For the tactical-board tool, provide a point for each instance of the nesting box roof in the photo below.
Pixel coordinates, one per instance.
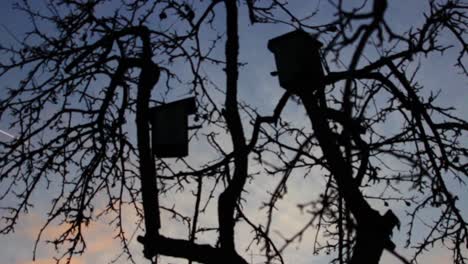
(188, 104)
(295, 36)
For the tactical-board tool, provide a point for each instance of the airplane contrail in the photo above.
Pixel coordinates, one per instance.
(6, 134)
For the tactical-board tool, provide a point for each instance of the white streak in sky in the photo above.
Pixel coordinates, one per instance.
(7, 134)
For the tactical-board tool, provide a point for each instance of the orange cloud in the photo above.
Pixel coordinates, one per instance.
(98, 236)
(102, 243)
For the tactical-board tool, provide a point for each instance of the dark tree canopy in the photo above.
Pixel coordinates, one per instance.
(78, 93)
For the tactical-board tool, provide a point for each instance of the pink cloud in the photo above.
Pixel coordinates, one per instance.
(50, 261)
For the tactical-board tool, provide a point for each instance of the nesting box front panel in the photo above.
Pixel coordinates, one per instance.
(290, 65)
(170, 136)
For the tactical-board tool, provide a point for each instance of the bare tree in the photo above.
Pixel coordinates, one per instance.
(81, 115)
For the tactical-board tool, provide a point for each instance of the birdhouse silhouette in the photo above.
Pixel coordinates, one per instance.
(297, 59)
(169, 124)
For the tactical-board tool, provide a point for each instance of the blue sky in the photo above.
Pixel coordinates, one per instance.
(259, 89)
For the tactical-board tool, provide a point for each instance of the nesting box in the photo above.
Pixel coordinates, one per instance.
(297, 59)
(169, 124)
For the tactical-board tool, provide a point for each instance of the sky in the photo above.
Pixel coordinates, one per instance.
(256, 87)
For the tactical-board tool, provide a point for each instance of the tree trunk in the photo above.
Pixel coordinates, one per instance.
(149, 76)
(373, 230)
